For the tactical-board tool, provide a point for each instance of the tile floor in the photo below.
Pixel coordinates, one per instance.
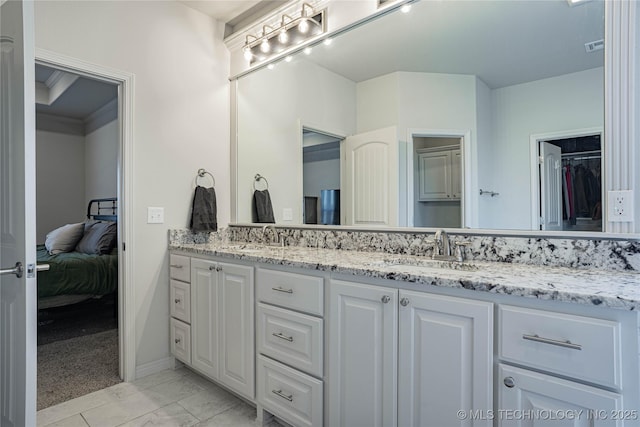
(169, 398)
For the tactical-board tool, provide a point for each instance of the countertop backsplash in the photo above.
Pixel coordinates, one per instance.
(618, 255)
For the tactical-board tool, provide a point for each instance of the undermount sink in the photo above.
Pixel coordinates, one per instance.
(417, 265)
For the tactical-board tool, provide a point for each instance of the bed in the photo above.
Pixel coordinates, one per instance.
(81, 270)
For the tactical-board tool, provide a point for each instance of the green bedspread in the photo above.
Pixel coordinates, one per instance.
(75, 273)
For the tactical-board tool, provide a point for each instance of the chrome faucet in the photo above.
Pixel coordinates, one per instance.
(442, 247)
(274, 237)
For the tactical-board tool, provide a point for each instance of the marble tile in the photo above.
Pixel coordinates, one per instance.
(159, 378)
(172, 391)
(210, 402)
(72, 407)
(74, 421)
(171, 415)
(119, 412)
(241, 415)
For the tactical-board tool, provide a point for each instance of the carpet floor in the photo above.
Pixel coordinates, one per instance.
(77, 351)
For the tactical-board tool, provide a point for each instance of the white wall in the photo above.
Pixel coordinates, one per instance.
(180, 123)
(272, 105)
(101, 160)
(60, 181)
(569, 102)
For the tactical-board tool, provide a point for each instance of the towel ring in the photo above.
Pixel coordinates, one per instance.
(202, 172)
(259, 177)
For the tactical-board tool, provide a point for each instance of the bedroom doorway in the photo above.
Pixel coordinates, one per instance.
(82, 138)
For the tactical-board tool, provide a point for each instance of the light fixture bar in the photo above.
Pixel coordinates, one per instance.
(290, 32)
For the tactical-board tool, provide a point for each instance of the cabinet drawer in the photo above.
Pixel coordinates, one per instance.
(291, 338)
(181, 341)
(180, 267)
(573, 346)
(180, 300)
(289, 394)
(290, 290)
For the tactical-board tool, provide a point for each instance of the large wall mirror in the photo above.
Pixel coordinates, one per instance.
(476, 114)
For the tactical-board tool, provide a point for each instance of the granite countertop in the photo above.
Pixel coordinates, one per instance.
(596, 287)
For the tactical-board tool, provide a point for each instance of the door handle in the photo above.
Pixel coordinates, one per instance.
(18, 270)
(43, 267)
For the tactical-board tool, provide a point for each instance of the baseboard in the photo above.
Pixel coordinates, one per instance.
(154, 367)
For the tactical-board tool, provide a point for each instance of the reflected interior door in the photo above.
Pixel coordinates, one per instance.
(550, 186)
(371, 172)
(17, 216)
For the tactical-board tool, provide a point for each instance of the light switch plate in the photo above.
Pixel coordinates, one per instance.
(287, 214)
(620, 206)
(155, 215)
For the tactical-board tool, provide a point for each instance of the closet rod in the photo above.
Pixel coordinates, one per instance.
(583, 158)
(582, 153)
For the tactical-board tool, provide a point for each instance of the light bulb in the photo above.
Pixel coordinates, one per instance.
(271, 66)
(405, 8)
(307, 50)
(303, 26)
(327, 42)
(247, 53)
(264, 46)
(288, 58)
(283, 37)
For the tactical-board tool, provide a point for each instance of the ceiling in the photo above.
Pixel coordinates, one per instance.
(502, 42)
(82, 98)
(222, 10)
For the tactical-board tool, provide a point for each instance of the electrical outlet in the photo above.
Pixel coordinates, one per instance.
(155, 215)
(620, 206)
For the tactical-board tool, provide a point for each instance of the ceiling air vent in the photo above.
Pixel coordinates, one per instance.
(593, 46)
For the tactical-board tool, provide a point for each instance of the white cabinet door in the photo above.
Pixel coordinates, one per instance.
(435, 175)
(363, 325)
(236, 328)
(205, 294)
(456, 174)
(551, 186)
(371, 173)
(445, 360)
(528, 398)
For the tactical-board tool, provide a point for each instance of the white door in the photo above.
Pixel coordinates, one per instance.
(205, 294)
(445, 361)
(529, 393)
(237, 344)
(371, 175)
(17, 216)
(363, 331)
(550, 186)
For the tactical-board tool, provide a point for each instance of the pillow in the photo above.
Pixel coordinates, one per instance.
(64, 239)
(99, 238)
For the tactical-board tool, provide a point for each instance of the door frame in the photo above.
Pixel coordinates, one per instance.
(534, 142)
(125, 82)
(465, 169)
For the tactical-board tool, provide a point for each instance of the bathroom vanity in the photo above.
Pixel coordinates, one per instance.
(352, 337)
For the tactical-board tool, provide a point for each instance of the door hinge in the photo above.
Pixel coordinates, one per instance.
(541, 160)
(541, 220)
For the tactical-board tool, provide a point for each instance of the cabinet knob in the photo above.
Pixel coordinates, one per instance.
(218, 268)
(177, 300)
(385, 299)
(213, 267)
(509, 382)
(177, 340)
(404, 302)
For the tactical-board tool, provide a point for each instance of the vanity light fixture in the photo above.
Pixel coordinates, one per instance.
(576, 2)
(290, 31)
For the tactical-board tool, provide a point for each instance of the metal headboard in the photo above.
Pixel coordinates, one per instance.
(103, 209)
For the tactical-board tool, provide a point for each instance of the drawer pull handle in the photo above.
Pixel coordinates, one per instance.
(566, 344)
(177, 300)
(288, 397)
(282, 336)
(177, 266)
(281, 289)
